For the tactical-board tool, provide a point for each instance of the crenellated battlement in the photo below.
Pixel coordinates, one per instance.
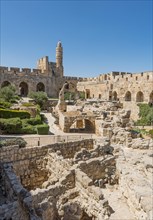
(72, 78)
(123, 76)
(16, 70)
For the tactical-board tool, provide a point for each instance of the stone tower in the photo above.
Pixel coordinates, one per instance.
(59, 58)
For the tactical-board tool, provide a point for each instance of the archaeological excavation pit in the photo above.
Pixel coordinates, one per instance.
(102, 171)
(33, 173)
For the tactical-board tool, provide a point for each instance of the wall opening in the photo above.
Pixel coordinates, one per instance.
(23, 89)
(87, 94)
(139, 97)
(114, 96)
(82, 126)
(105, 77)
(151, 97)
(5, 83)
(40, 87)
(128, 96)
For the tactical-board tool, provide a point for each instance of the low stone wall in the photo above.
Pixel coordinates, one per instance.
(17, 207)
(100, 170)
(14, 153)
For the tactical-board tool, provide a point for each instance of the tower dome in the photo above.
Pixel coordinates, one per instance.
(59, 44)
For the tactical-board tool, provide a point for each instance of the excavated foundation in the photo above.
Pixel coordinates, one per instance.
(80, 180)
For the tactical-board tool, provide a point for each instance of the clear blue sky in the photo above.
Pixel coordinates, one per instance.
(97, 36)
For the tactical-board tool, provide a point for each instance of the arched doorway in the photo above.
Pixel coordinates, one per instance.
(114, 96)
(40, 87)
(139, 97)
(5, 83)
(23, 89)
(82, 126)
(151, 97)
(128, 96)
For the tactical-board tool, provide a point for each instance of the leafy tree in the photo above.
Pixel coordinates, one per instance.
(40, 98)
(7, 94)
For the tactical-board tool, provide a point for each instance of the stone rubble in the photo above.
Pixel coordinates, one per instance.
(109, 177)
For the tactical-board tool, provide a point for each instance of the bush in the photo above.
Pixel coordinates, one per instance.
(42, 129)
(15, 141)
(69, 96)
(33, 121)
(82, 95)
(151, 133)
(28, 104)
(11, 125)
(28, 129)
(14, 113)
(5, 105)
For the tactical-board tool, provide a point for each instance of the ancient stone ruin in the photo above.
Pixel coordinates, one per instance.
(106, 177)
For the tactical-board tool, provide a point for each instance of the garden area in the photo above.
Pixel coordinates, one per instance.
(25, 118)
(144, 125)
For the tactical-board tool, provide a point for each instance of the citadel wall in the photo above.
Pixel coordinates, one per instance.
(128, 88)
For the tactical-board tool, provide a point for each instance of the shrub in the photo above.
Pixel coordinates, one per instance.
(28, 104)
(28, 129)
(33, 121)
(11, 125)
(5, 105)
(14, 141)
(146, 115)
(151, 133)
(42, 129)
(14, 113)
(43, 118)
(82, 95)
(69, 95)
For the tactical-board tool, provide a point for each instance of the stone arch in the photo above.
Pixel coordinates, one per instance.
(151, 97)
(114, 96)
(82, 126)
(23, 89)
(40, 87)
(128, 96)
(5, 83)
(139, 97)
(66, 85)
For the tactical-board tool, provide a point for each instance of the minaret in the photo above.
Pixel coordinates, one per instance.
(59, 55)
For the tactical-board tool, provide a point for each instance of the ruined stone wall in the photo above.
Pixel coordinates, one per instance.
(17, 206)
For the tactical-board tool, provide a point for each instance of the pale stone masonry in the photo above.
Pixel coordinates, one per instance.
(129, 89)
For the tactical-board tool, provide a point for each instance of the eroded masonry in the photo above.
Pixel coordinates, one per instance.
(106, 177)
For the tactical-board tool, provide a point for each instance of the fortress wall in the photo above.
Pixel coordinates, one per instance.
(102, 86)
(32, 77)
